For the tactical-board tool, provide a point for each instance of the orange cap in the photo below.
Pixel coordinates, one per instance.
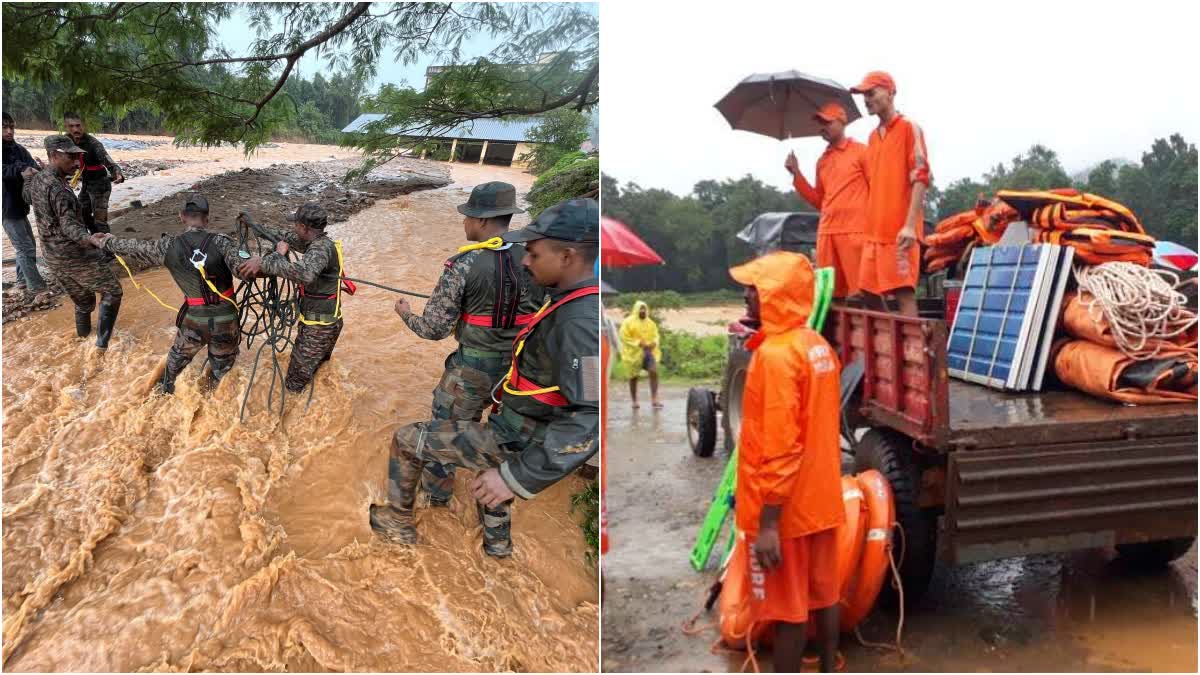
(832, 111)
(875, 78)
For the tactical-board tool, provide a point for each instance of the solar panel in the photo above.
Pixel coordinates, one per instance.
(1006, 315)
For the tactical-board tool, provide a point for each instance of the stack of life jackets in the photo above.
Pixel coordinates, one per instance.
(1099, 229)
(954, 237)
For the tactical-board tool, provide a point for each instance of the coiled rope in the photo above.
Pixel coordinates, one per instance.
(1143, 307)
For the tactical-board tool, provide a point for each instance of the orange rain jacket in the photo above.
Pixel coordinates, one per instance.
(788, 453)
(841, 191)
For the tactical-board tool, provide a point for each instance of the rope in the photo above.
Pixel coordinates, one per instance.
(141, 287)
(1143, 307)
(268, 311)
(899, 586)
(386, 288)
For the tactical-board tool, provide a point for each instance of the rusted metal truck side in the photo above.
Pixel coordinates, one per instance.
(981, 474)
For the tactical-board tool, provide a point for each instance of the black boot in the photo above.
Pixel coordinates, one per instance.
(106, 322)
(83, 323)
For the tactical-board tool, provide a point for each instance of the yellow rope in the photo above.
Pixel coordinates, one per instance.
(495, 243)
(214, 288)
(337, 307)
(516, 354)
(139, 286)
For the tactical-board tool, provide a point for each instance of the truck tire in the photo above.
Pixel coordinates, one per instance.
(701, 421)
(889, 453)
(732, 387)
(1154, 555)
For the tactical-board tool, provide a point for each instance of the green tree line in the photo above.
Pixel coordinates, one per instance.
(321, 107)
(695, 233)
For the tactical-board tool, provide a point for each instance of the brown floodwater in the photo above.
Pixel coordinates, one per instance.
(160, 533)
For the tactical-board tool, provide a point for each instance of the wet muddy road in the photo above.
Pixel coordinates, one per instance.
(1078, 612)
(158, 533)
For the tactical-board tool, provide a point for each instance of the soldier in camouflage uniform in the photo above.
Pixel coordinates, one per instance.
(199, 261)
(70, 251)
(318, 273)
(484, 296)
(100, 173)
(548, 423)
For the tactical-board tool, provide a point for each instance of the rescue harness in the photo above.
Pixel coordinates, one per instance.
(508, 289)
(516, 385)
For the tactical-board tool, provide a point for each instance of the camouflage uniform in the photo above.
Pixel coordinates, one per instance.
(82, 271)
(214, 323)
(318, 273)
(97, 183)
(533, 443)
(479, 297)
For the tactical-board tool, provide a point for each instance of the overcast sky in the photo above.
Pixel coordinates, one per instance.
(1089, 80)
(237, 35)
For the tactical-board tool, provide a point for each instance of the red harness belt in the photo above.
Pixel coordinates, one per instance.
(486, 321)
(194, 302)
(521, 384)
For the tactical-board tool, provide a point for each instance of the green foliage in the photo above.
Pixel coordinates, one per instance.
(694, 234)
(586, 503)
(568, 159)
(563, 182)
(560, 133)
(1161, 190)
(685, 356)
(657, 300)
(114, 57)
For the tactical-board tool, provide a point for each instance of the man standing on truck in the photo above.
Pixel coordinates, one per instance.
(898, 172)
(100, 173)
(788, 494)
(840, 195)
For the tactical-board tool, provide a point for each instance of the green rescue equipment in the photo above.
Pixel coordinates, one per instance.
(722, 503)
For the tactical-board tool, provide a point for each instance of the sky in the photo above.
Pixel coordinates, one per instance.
(1091, 81)
(237, 35)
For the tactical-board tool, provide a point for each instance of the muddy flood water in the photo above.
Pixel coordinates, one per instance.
(159, 533)
(1058, 613)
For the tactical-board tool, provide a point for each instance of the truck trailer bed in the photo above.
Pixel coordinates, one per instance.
(981, 417)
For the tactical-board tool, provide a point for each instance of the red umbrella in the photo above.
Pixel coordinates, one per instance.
(620, 247)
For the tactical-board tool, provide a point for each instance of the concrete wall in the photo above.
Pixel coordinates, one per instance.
(522, 148)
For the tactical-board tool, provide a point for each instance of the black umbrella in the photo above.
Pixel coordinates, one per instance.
(781, 105)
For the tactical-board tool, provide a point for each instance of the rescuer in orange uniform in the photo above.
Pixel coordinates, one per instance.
(898, 171)
(840, 195)
(789, 494)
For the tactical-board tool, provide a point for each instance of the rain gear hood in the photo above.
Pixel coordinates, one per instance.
(788, 452)
(634, 331)
(785, 283)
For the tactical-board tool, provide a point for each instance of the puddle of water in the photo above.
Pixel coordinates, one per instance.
(158, 533)
(1076, 612)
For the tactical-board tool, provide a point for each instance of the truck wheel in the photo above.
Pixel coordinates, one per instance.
(701, 421)
(732, 387)
(889, 453)
(1154, 555)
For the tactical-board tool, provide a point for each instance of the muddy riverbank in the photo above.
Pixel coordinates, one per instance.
(1077, 612)
(159, 533)
(149, 203)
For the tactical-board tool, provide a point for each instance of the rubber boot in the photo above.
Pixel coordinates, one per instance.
(83, 323)
(106, 323)
(395, 525)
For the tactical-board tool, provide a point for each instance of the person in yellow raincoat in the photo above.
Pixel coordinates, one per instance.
(640, 350)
